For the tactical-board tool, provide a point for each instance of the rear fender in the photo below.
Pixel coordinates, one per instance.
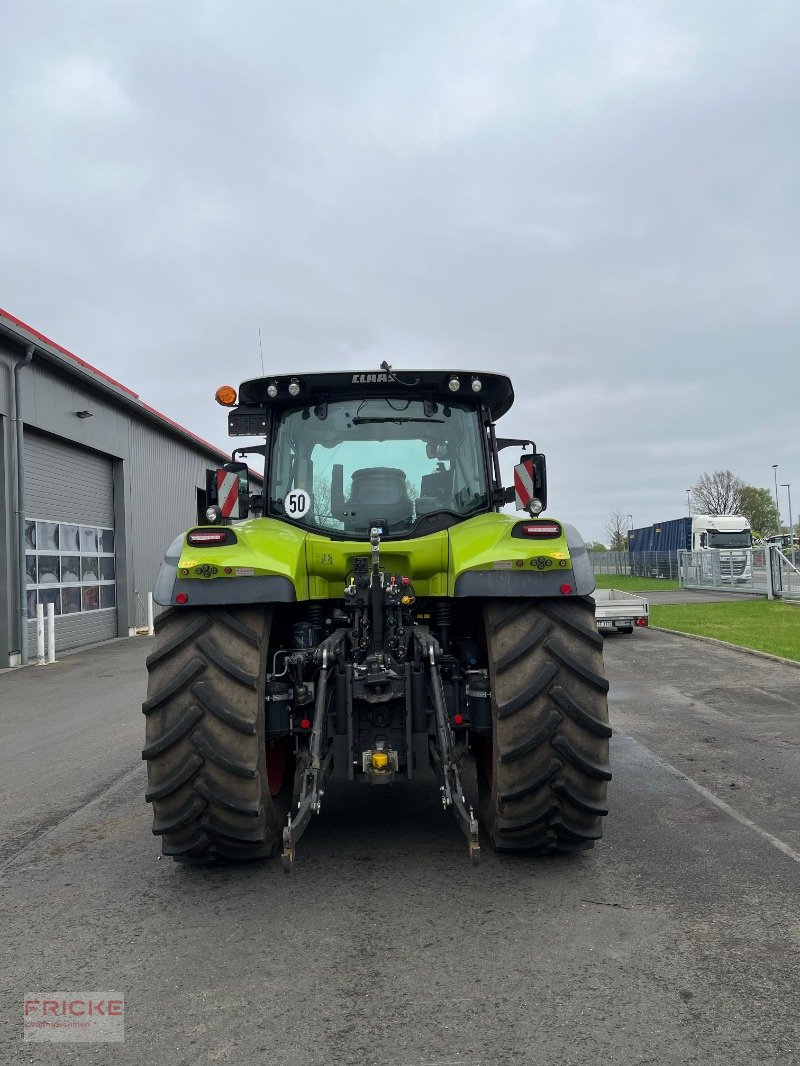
(488, 561)
(266, 564)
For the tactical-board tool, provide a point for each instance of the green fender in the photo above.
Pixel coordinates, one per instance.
(274, 561)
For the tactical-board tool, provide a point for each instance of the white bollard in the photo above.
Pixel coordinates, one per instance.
(40, 634)
(150, 622)
(51, 633)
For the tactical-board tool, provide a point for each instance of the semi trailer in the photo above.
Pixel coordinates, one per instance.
(652, 548)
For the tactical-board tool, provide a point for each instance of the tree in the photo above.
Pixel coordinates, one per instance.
(718, 493)
(758, 507)
(595, 546)
(322, 500)
(617, 531)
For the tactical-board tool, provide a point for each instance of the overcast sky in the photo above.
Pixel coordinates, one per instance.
(600, 199)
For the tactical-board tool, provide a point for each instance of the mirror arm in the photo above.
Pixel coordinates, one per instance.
(503, 496)
(511, 442)
(254, 449)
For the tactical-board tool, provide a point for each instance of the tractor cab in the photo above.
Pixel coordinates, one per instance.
(411, 453)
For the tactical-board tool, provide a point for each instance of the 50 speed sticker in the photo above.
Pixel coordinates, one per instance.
(296, 503)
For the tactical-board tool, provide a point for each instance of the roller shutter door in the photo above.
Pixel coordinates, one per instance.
(70, 543)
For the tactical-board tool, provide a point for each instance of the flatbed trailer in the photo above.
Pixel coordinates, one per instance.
(620, 612)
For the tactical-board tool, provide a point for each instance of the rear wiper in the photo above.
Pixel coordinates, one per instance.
(395, 421)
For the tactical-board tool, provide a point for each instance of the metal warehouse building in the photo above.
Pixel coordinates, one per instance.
(107, 483)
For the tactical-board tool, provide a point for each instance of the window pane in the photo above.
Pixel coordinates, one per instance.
(70, 541)
(47, 536)
(88, 540)
(31, 603)
(30, 535)
(48, 570)
(108, 596)
(70, 569)
(89, 569)
(50, 596)
(373, 458)
(107, 568)
(30, 569)
(90, 595)
(107, 540)
(71, 600)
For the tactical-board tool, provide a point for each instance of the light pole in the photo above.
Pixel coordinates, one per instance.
(791, 528)
(688, 504)
(777, 505)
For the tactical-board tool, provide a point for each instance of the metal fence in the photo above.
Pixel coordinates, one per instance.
(786, 573)
(639, 564)
(764, 569)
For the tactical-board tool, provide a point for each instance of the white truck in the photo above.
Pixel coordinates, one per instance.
(731, 534)
(620, 612)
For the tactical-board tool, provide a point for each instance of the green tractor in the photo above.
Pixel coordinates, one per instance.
(372, 613)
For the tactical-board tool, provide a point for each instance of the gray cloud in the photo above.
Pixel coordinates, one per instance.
(600, 199)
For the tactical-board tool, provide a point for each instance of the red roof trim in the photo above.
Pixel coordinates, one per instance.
(68, 353)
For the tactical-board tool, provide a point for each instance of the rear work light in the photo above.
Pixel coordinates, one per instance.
(544, 530)
(209, 538)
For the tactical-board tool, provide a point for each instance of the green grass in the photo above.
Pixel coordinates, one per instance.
(766, 625)
(626, 583)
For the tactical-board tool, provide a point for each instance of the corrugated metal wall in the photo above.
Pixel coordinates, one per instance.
(164, 478)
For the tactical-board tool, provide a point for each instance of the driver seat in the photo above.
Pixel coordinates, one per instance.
(377, 492)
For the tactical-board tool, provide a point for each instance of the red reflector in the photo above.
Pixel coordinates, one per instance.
(541, 529)
(641, 622)
(566, 589)
(305, 723)
(458, 719)
(181, 598)
(405, 581)
(217, 536)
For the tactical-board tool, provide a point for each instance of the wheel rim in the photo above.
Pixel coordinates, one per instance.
(277, 759)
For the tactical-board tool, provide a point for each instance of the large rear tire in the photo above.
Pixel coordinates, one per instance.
(543, 778)
(215, 788)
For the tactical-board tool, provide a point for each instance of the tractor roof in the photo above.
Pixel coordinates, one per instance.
(495, 390)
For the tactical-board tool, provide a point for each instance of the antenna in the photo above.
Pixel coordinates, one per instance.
(261, 351)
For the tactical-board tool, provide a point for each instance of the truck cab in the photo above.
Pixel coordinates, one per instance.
(731, 535)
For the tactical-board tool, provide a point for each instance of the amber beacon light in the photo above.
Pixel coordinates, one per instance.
(225, 395)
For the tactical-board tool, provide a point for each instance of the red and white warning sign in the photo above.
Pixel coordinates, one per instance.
(227, 492)
(523, 484)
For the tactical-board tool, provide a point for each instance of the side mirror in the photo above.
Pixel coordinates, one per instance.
(530, 483)
(229, 490)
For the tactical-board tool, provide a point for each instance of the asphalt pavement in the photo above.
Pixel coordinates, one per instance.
(676, 941)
